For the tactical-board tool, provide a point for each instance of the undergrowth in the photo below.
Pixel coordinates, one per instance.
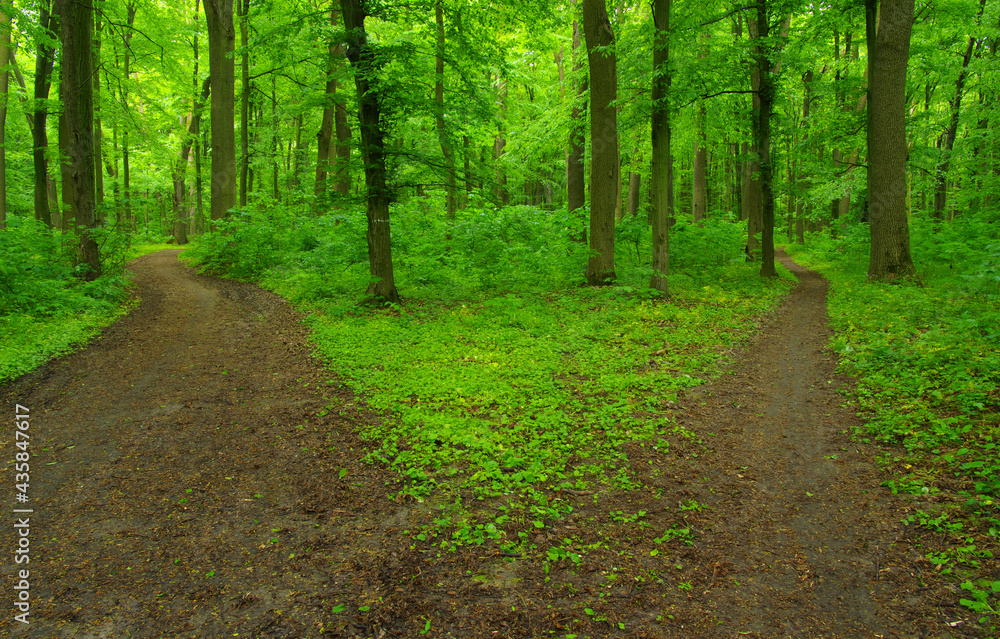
(926, 354)
(46, 308)
(501, 377)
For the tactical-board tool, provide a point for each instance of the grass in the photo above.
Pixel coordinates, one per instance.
(500, 377)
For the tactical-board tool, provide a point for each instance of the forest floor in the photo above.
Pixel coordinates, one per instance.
(197, 473)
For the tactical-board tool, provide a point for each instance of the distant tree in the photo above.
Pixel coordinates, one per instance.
(44, 58)
(605, 178)
(887, 149)
(5, 59)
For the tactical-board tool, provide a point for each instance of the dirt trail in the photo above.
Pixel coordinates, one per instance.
(198, 474)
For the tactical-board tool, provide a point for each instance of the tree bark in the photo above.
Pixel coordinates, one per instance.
(446, 151)
(40, 140)
(576, 187)
(77, 23)
(362, 55)
(222, 70)
(98, 133)
(662, 180)
(887, 153)
(699, 179)
(762, 136)
(605, 189)
(180, 209)
(5, 59)
(244, 9)
(324, 139)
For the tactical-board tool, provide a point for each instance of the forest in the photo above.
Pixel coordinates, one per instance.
(526, 232)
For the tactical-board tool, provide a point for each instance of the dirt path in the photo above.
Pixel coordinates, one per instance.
(198, 475)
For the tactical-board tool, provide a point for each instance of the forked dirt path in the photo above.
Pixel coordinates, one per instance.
(198, 474)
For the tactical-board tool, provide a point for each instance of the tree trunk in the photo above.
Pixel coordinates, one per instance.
(502, 194)
(5, 59)
(605, 182)
(446, 151)
(243, 7)
(661, 186)
(362, 55)
(634, 193)
(77, 23)
(576, 187)
(222, 70)
(887, 153)
(948, 143)
(699, 198)
(762, 136)
(40, 140)
(98, 134)
(180, 209)
(126, 167)
(326, 128)
(343, 183)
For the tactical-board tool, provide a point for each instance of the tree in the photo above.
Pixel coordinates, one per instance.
(576, 186)
(222, 70)
(663, 172)
(243, 7)
(44, 58)
(887, 149)
(77, 23)
(364, 60)
(5, 59)
(605, 189)
(763, 53)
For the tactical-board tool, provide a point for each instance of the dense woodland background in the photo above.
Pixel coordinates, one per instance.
(518, 150)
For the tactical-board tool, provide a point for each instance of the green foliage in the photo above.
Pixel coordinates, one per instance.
(501, 375)
(928, 366)
(45, 308)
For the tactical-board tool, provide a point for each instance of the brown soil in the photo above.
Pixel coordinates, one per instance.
(189, 482)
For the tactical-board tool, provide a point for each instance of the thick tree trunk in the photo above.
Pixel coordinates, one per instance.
(77, 23)
(661, 184)
(222, 69)
(362, 55)
(762, 136)
(243, 6)
(576, 186)
(887, 153)
(40, 140)
(605, 182)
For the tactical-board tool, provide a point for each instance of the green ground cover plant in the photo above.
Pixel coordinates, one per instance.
(926, 354)
(46, 310)
(500, 376)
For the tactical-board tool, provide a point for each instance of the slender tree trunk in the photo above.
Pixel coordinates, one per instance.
(948, 142)
(275, 146)
(126, 167)
(662, 180)
(243, 6)
(5, 59)
(446, 151)
(890, 236)
(362, 55)
(502, 194)
(180, 168)
(605, 182)
(222, 69)
(77, 22)
(40, 141)
(753, 197)
(634, 193)
(343, 183)
(98, 134)
(699, 198)
(576, 186)
(325, 137)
